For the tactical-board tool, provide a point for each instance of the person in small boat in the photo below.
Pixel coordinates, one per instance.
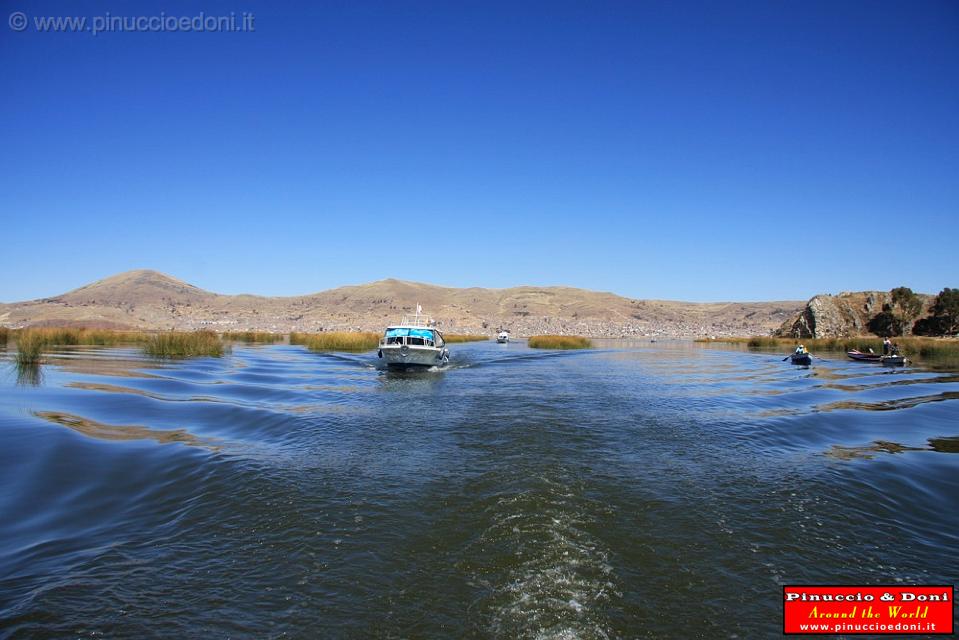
(801, 350)
(887, 347)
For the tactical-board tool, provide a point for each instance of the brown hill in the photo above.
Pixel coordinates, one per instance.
(150, 300)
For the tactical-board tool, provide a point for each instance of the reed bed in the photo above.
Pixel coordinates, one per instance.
(927, 347)
(30, 345)
(354, 341)
(62, 336)
(32, 342)
(252, 336)
(464, 337)
(559, 342)
(4, 335)
(183, 344)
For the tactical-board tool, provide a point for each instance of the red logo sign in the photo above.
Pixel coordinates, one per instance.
(848, 610)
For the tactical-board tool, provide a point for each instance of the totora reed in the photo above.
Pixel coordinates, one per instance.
(559, 342)
(354, 341)
(175, 344)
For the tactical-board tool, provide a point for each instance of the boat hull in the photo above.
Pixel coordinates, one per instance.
(409, 356)
(801, 359)
(890, 361)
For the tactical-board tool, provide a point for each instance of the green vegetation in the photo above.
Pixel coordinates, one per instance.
(896, 318)
(175, 344)
(4, 337)
(354, 341)
(945, 316)
(464, 337)
(559, 342)
(906, 307)
(252, 336)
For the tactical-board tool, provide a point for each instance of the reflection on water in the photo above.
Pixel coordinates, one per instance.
(945, 445)
(101, 431)
(888, 405)
(29, 374)
(633, 491)
(942, 445)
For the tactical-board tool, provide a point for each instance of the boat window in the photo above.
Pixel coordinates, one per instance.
(393, 332)
(394, 340)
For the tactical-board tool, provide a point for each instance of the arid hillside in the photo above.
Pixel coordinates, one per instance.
(146, 299)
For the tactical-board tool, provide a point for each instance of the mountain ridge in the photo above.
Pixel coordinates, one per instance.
(148, 299)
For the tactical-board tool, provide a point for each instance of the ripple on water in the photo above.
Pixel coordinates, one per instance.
(639, 492)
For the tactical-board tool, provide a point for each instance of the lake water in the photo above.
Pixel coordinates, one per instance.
(633, 491)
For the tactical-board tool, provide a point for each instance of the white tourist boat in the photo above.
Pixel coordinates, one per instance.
(503, 337)
(415, 342)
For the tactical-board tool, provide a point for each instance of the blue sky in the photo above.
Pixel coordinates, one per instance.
(679, 150)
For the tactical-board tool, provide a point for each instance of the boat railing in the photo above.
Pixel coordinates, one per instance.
(418, 320)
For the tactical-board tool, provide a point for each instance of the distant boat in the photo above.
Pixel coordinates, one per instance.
(503, 337)
(801, 358)
(414, 342)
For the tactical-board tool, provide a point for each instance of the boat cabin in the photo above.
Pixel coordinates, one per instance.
(413, 336)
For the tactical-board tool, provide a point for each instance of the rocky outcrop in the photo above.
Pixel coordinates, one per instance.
(840, 316)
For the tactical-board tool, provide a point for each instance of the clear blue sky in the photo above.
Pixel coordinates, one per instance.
(680, 150)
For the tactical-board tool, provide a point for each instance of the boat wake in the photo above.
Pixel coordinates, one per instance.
(549, 577)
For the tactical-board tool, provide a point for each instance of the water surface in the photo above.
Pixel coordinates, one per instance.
(634, 491)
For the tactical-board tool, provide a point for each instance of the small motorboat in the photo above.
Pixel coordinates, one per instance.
(801, 358)
(894, 360)
(502, 337)
(415, 342)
